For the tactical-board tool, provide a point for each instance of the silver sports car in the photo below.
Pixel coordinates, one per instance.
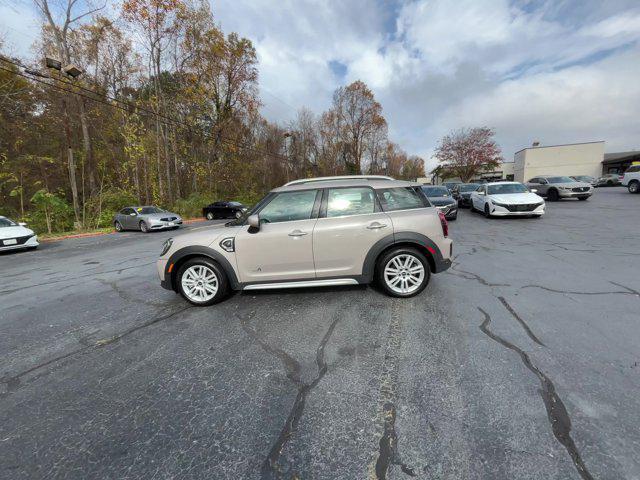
(145, 219)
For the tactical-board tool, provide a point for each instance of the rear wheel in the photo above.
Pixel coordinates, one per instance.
(634, 187)
(210, 216)
(118, 226)
(403, 272)
(143, 227)
(553, 195)
(238, 214)
(202, 282)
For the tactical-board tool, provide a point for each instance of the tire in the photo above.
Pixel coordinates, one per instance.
(411, 283)
(201, 269)
(453, 218)
(609, 183)
(553, 195)
(634, 187)
(487, 213)
(118, 226)
(210, 216)
(238, 214)
(143, 227)
(582, 199)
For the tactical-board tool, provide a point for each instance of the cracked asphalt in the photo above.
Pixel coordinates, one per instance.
(521, 362)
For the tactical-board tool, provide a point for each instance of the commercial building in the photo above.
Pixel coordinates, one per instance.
(619, 162)
(571, 159)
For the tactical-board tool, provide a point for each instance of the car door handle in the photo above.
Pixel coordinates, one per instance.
(376, 226)
(297, 233)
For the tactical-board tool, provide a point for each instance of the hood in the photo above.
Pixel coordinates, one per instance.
(158, 216)
(204, 236)
(516, 198)
(13, 232)
(439, 201)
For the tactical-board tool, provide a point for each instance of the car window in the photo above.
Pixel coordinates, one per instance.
(289, 206)
(534, 180)
(5, 222)
(350, 201)
(402, 198)
(635, 168)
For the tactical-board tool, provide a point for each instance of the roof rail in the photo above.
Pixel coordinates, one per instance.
(342, 177)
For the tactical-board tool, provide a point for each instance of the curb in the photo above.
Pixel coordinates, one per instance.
(100, 234)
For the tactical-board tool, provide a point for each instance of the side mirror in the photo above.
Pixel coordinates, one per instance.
(254, 221)
(22, 224)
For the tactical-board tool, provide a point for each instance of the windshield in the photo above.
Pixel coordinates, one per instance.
(150, 210)
(503, 188)
(435, 191)
(583, 178)
(469, 187)
(5, 222)
(235, 204)
(560, 180)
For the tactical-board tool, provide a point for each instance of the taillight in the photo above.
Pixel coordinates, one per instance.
(444, 223)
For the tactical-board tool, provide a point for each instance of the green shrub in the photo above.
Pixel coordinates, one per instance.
(191, 207)
(102, 209)
(52, 213)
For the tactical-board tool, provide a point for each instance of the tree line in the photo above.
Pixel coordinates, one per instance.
(162, 108)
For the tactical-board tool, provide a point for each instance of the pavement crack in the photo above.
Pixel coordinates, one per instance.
(627, 291)
(270, 467)
(474, 276)
(388, 452)
(557, 413)
(524, 325)
(12, 382)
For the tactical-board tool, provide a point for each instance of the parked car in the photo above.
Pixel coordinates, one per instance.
(16, 236)
(608, 180)
(223, 210)
(586, 179)
(557, 187)
(440, 197)
(450, 185)
(462, 193)
(631, 179)
(506, 199)
(312, 233)
(145, 219)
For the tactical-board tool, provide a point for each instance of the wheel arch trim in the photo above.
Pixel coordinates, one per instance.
(182, 255)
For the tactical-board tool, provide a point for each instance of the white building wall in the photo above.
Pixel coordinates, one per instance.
(576, 159)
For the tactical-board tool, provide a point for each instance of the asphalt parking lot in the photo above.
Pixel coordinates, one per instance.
(521, 362)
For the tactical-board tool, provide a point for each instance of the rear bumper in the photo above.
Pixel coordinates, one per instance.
(442, 255)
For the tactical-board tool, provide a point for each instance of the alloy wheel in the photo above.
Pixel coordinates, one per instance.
(404, 273)
(209, 216)
(199, 283)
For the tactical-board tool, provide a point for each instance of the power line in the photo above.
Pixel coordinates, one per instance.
(35, 74)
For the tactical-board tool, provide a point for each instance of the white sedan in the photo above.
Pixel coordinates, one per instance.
(503, 199)
(14, 235)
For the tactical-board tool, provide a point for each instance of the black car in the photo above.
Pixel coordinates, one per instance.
(462, 193)
(440, 198)
(450, 185)
(223, 210)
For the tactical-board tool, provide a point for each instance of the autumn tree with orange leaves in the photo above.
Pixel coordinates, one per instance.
(466, 152)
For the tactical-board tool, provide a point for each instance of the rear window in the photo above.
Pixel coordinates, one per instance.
(402, 198)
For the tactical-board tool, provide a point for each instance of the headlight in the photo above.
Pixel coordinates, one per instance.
(166, 246)
(500, 205)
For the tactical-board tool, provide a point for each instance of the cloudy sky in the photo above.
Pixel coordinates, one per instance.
(554, 71)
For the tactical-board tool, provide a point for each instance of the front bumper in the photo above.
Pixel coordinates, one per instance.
(572, 194)
(449, 211)
(30, 242)
(161, 266)
(165, 225)
(500, 211)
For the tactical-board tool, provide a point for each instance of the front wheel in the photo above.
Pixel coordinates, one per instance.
(210, 216)
(118, 226)
(238, 214)
(553, 195)
(634, 187)
(403, 272)
(143, 227)
(202, 282)
(487, 213)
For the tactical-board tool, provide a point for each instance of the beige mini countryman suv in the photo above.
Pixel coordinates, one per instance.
(311, 233)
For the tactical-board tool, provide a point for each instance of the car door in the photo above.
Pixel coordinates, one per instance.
(350, 223)
(477, 198)
(282, 249)
(542, 187)
(128, 218)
